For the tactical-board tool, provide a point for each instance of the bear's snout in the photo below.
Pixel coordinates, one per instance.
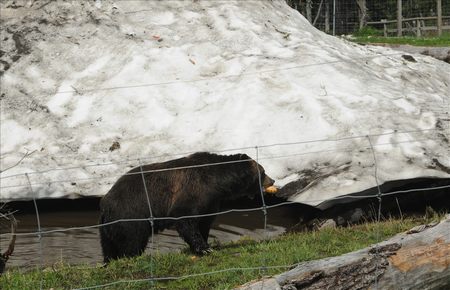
(268, 181)
(268, 187)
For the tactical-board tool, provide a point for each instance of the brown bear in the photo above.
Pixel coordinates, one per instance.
(193, 185)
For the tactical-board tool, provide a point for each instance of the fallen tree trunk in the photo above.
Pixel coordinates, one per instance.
(417, 259)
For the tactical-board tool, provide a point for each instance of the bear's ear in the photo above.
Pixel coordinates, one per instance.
(244, 157)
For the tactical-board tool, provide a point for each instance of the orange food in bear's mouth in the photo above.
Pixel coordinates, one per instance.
(271, 189)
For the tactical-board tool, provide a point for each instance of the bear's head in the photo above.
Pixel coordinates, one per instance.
(257, 179)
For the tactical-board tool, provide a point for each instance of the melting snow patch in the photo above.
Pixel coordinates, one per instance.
(165, 78)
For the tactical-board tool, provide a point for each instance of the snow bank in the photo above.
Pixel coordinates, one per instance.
(165, 78)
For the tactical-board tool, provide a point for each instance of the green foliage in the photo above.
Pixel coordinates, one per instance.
(230, 265)
(368, 31)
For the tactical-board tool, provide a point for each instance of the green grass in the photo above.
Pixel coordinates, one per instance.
(371, 35)
(368, 32)
(285, 250)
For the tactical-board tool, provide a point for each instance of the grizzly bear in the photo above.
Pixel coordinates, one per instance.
(193, 185)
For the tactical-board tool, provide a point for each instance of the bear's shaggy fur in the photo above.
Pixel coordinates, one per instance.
(175, 188)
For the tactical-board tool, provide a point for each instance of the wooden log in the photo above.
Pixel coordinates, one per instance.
(417, 259)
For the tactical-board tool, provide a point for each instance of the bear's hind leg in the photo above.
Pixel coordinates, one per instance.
(135, 238)
(109, 249)
(124, 239)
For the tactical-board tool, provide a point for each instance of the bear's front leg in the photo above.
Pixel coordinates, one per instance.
(205, 226)
(189, 231)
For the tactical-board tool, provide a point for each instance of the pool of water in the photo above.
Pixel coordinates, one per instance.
(82, 246)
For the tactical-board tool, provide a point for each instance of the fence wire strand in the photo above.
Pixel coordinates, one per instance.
(344, 149)
(237, 149)
(183, 277)
(227, 211)
(233, 76)
(263, 208)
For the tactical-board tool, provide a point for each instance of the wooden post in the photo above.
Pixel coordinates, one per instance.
(385, 30)
(439, 17)
(399, 18)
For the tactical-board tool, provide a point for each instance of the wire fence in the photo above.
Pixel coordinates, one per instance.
(39, 233)
(27, 184)
(263, 207)
(417, 17)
